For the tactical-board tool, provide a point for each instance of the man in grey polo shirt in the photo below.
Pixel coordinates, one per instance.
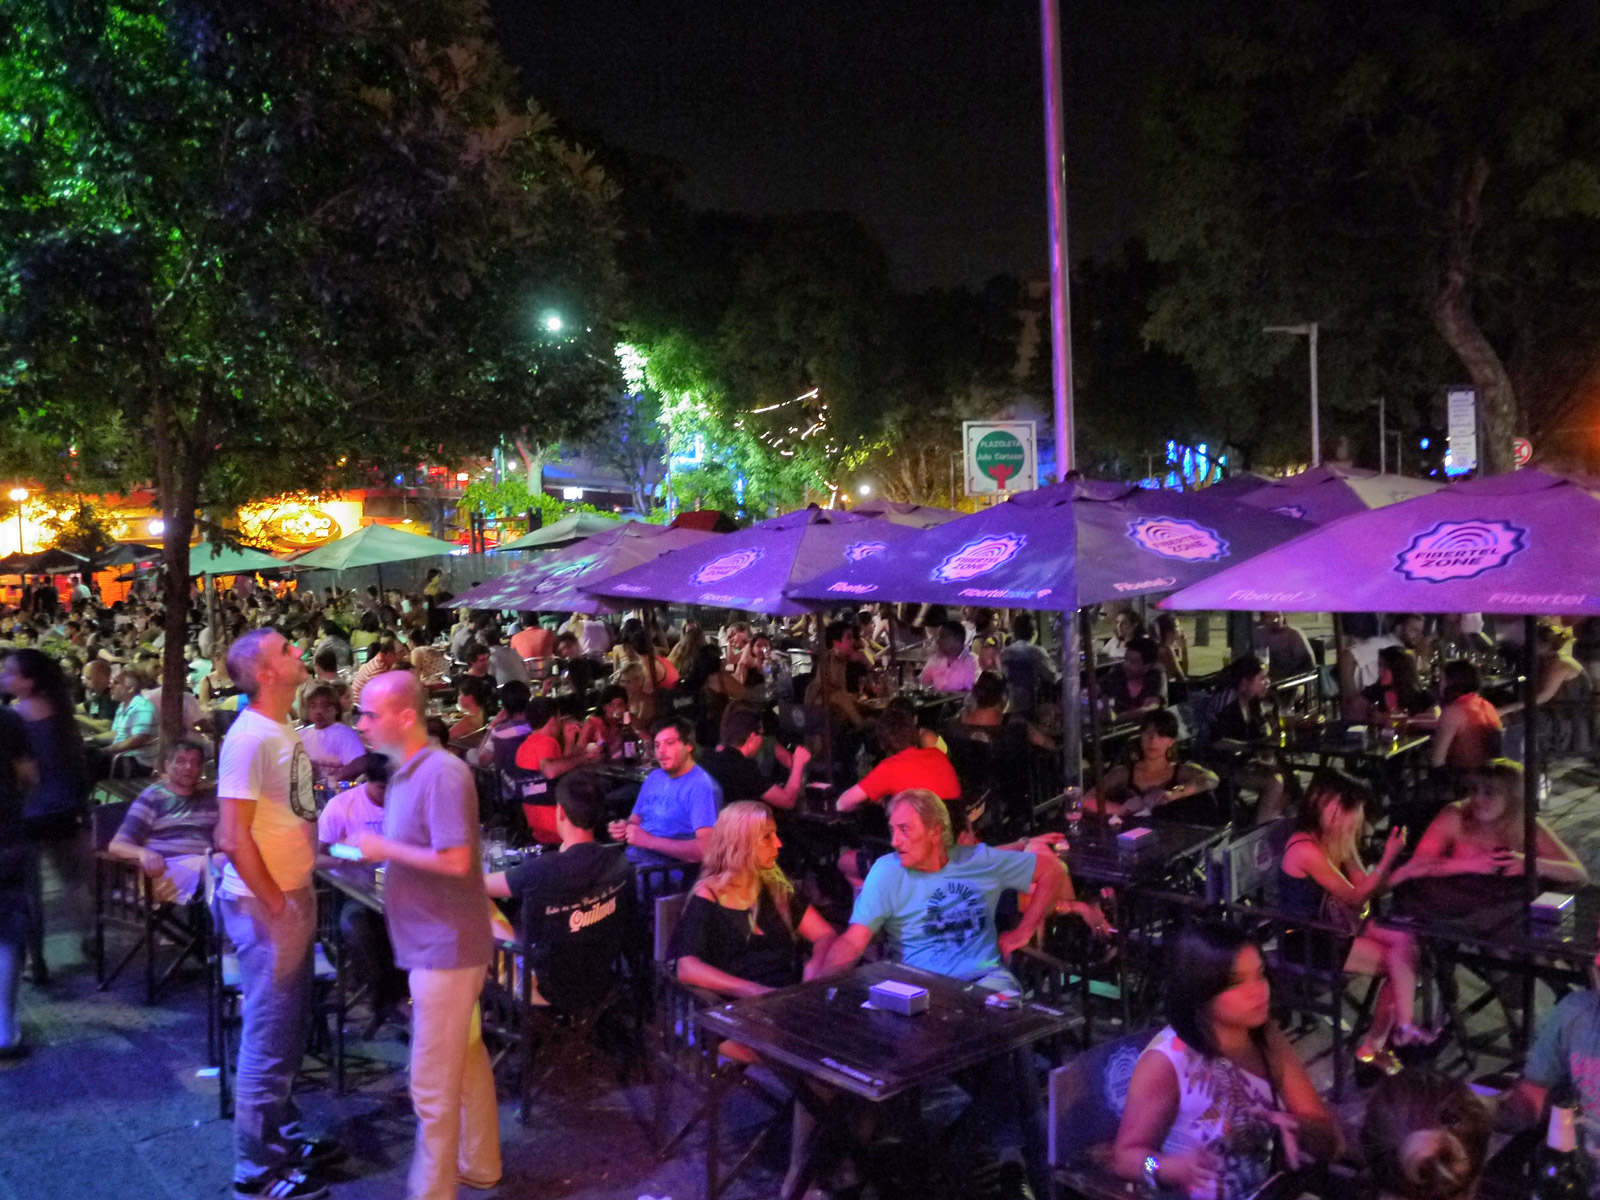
(438, 916)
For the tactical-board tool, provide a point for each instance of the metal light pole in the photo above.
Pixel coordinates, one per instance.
(1383, 442)
(1056, 181)
(1308, 330)
(1061, 357)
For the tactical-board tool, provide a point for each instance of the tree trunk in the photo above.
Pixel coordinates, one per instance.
(1451, 313)
(533, 463)
(180, 461)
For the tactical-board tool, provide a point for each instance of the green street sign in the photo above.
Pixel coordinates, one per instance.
(1000, 455)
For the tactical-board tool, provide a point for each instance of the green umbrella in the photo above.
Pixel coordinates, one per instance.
(372, 546)
(207, 559)
(564, 532)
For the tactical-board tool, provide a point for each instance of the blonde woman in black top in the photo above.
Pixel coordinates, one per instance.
(741, 930)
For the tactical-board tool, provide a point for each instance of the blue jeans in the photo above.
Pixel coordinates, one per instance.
(275, 979)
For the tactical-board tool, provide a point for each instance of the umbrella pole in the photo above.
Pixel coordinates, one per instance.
(1096, 753)
(1338, 665)
(1071, 702)
(1530, 792)
(819, 662)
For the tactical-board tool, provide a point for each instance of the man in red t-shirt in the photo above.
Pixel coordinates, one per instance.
(908, 765)
(533, 640)
(542, 750)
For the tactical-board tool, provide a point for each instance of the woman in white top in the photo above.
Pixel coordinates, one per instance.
(1220, 1084)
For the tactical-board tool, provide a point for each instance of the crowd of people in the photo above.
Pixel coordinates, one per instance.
(358, 726)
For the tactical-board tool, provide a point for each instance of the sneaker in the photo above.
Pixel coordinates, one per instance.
(307, 1153)
(280, 1185)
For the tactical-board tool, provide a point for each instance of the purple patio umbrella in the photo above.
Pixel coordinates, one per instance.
(1238, 485)
(1062, 547)
(1521, 543)
(755, 568)
(918, 516)
(552, 584)
(1327, 493)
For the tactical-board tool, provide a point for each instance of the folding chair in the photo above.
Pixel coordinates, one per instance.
(1086, 1099)
(125, 899)
(225, 994)
(686, 1056)
(1305, 957)
(548, 994)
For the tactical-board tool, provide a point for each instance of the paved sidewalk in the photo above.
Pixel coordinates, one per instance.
(110, 1104)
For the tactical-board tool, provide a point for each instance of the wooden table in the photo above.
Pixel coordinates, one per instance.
(820, 1031)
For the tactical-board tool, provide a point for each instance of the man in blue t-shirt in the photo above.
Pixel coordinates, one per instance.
(934, 901)
(677, 806)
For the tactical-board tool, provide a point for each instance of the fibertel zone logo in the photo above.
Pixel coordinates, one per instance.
(979, 557)
(726, 565)
(1173, 537)
(1460, 550)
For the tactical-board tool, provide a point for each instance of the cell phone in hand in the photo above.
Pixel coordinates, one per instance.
(340, 850)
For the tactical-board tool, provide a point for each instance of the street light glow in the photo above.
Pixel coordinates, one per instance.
(864, 490)
(18, 495)
(157, 527)
(553, 322)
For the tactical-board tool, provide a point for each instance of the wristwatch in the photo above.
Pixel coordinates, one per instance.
(1152, 1167)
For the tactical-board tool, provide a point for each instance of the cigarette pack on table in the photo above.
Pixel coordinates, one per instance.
(1138, 840)
(1550, 907)
(904, 998)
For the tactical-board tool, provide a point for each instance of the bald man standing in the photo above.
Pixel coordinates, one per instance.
(438, 916)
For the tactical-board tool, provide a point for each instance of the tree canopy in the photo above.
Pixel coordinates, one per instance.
(1423, 180)
(247, 248)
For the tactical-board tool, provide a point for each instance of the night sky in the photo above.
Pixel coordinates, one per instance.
(922, 117)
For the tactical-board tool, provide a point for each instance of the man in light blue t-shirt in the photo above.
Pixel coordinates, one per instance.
(934, 901)
(1565, 1058)
(677, 806)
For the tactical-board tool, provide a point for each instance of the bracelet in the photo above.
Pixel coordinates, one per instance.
(1152, 1167)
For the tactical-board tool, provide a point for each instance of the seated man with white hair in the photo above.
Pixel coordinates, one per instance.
(934, 901)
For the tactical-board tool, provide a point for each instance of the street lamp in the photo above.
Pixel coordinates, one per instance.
(552, 322)
(18, 495)
(1307, 330)
(864, 490)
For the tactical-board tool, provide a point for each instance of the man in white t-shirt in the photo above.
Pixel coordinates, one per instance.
(336, 750)
(267, 828)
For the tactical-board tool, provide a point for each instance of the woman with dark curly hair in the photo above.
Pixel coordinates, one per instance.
(1425, 1137)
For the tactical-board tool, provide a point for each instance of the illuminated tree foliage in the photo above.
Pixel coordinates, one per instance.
(1423, 179)
(242, 242)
